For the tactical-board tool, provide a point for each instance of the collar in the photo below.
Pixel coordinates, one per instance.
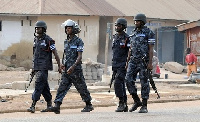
(42, 37)
(142, 29)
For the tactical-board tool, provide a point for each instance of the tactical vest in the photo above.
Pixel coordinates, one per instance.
(140, 41)
(71, 49)
(120, 47)
(42, 55)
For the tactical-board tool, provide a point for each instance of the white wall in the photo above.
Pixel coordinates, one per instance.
(89, 32)
(11, 33)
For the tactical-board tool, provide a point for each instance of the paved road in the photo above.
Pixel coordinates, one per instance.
(166, 112)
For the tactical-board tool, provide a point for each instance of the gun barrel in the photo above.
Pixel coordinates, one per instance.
(31, 78)
(112, 79)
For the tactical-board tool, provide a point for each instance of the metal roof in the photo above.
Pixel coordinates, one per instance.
(58, 7)
(19, 7)
(102, 8)
(68, 7)
(162, 9)
(188, 25)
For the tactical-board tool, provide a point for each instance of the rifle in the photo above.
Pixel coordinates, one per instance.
(152, 82)
(32, 74)
(112, 79)
(149, 75)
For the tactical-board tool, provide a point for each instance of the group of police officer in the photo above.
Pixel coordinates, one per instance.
(70, 67)
(131, 53)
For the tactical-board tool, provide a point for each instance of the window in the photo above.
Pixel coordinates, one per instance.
(30, 22)
(22, 23)
(0, 25)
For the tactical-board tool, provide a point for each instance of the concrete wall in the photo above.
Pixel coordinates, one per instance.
(89, 32)
(14, 32)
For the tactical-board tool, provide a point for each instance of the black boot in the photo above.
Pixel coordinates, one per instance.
(122, 107)
(137, 103)
(48, 109)
(143, 109)
(88, 107)
(32, 108)
(56, 108)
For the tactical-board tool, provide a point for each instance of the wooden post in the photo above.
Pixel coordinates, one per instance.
(106, 78)
(108, 34)
(106, 53)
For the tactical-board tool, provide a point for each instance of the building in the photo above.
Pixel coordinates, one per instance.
(192, 36)
(96, 18)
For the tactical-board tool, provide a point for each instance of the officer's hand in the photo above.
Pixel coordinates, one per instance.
(70, 70)
(59, 69)
(32, 73)
(150, 66)
(62, 67)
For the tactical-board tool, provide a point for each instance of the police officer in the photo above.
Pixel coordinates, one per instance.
(120, 49)
(42, 62)
(139, 60)
(73, 48)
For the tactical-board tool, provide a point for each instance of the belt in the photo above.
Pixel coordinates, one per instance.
(136, 59)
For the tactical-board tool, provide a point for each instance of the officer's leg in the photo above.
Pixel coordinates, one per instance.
(46, 92)
(145, 89)
(130, 83)
(64, 87)
(39, 86)
(120, 90)
(81, 87)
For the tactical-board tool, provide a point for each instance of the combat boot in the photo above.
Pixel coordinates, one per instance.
(56, 108)
(143, 109)
(48, 109)
(122, 107)
(32, 108)
(137, 103)
(88, 107)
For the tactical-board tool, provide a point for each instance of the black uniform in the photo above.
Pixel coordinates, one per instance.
(42, 62)
(120, 49)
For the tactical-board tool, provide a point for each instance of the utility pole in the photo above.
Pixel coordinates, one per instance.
(105, 77)
(108, 38)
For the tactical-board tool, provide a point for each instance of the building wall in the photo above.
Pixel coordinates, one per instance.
(16, 29)
(193, 35)
(89, 32)
(14, 32)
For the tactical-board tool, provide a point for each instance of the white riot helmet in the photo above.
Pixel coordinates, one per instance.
(73, 24)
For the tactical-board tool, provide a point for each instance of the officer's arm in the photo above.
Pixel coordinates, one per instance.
(150, 56)
(56, 57)
(128, 58)
(78, 60)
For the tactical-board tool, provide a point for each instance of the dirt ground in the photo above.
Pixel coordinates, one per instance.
(168, 92)
(10, 76)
